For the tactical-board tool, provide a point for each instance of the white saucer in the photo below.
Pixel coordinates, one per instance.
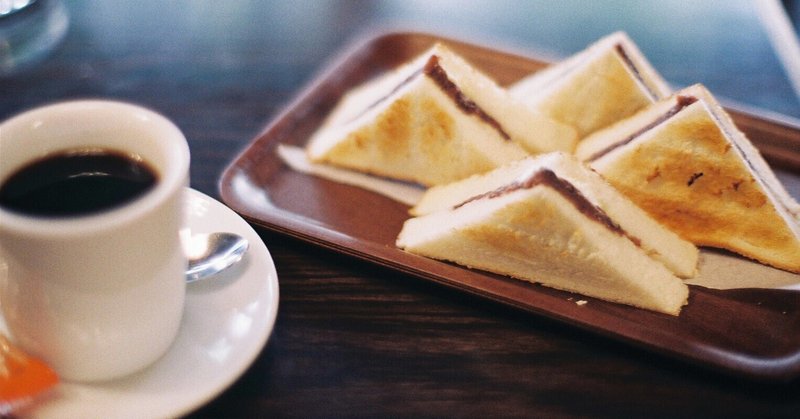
(226, 324)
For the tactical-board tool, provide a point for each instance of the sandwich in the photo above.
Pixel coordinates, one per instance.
(677, 254)
(550, 220)
(684, 161)
(609, 80)
(434, 120)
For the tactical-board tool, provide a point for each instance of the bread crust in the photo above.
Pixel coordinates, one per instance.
(595, 87)
(538, 235)
(434, 120)
(689, 175)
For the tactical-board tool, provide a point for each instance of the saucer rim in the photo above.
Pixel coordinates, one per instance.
(183, 402)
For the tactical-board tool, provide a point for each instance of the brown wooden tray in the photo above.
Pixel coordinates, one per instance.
(751, 333)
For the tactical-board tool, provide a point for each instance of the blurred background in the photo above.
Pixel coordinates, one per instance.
(236, 63)
(685, 39)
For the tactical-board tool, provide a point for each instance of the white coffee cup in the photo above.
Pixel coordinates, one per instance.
(96, 296)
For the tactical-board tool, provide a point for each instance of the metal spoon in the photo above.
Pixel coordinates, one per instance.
(209, 254)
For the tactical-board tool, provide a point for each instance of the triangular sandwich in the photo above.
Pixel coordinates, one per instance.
(684, 161)
(434, 120)
(609, 80)
(677, 254)
(550, 220)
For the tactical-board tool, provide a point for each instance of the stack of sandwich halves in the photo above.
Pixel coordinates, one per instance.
(589, 176)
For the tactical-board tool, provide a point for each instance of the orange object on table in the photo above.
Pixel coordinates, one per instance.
(22, 377)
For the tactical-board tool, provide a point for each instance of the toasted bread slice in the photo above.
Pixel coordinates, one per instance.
(434, 120)
(609, 80)
(541, 224)
(684, 161)
(678, 255)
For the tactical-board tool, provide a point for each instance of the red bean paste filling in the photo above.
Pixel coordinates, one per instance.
(771, 193)
(681, 103)
(547, 177)
(654, 96)
(435, 71)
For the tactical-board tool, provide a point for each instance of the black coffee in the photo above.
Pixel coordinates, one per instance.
(75, 183)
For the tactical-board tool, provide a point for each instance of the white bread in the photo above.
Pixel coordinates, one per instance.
(543, 228)
(434, 120)
(609, 80)
(700, 176)
(678, 255)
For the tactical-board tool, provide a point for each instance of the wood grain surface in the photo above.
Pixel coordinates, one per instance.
(354, 339)
(365, 225)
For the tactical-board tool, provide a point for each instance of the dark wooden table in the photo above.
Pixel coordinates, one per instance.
(353, 339)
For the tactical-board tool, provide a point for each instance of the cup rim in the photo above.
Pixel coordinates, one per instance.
(170, 180)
